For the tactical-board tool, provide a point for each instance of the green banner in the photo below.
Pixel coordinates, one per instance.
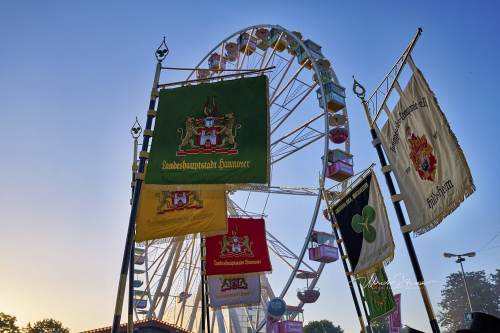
(378, 293)
(213, 133)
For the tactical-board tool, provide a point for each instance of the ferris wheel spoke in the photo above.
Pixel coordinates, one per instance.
(148, 288)
(296, 90)
(279, 118)
(283, 252)
(236, 210)
(173, 270)
(152, 307)
(235, 320)
(194, 310)
(289, 64)
(304, 191)
(190, 275)
(282, 155)
(221, 325)
(297, 131)
(292, 79)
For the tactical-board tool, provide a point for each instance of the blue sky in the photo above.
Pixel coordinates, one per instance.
(73, 76)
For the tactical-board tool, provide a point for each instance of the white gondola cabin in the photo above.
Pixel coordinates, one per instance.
(337, 119)
(139, 260)
(307, 294)
(202, 74)
(334, 95)
(262, 35)
(315, 51)
(141, 303)
(338, 134)
(231, 52)
(325, 71)
(216, 63)
(292, 321)
(278, 40)
(323, 248)
(139, 250)
(339, 166)
(247, 43)
(294, 46)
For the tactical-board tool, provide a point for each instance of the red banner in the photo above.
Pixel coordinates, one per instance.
(242, 250)
(395, 317)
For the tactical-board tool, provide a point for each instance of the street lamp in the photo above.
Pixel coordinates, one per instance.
(460, 259)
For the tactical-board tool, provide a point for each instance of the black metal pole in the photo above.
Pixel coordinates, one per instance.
(130, 317)
(209, 327)
(135, 131)
(406, 236)
(363, 303)
(161, 53)
(202, 271)
(344, 263)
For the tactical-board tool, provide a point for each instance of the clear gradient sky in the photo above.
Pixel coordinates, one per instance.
(74, 74)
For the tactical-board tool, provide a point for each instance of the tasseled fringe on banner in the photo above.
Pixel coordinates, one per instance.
(454, 205)
(469, 188)
(372, 269)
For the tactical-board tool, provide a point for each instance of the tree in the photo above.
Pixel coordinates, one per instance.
(454, 303)
(380, 325)
(46, 326)
(496, 281)
(322, 326)
(8, 324)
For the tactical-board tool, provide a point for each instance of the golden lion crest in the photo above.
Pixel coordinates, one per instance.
(211, 134)
(169, 201)
(235, 246)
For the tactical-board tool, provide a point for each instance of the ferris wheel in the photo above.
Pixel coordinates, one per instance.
(309, 145)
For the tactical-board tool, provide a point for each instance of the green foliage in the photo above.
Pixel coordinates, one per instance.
(322, 326)
(380, 325)
(483, 293)
(496, 281)
(8, 324)
(46, 326)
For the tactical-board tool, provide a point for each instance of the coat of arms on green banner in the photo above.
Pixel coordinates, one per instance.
(214, 133)
(378, 293)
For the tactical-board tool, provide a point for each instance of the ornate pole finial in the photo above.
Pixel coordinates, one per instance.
(136, 129)
(358, 89)
(162, 51)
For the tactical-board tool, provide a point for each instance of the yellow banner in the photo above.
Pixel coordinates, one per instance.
(166, 213)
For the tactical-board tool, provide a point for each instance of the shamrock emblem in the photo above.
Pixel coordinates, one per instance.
(363, 223)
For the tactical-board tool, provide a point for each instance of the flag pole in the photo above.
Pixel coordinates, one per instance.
(343, 258)
(161, 53)
(135, 131)
(363, 302)
(204, 276)
(202, 281)
(397, 205)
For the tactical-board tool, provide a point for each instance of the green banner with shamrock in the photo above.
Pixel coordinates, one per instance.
(378, 293)
(364, 225)
(213, 133)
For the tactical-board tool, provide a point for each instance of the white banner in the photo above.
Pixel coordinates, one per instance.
(428, 163)
(234, 290)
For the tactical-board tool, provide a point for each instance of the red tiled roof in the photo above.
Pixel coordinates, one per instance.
(143, 323)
